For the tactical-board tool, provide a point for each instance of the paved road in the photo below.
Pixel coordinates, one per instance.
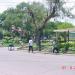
(24, 63)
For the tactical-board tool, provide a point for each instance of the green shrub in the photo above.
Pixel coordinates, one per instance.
(6, 33)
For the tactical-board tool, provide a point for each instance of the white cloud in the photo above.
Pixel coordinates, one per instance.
(4, 4)
(70, 4)
(73, 11)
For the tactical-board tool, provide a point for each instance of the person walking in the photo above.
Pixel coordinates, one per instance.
(30, 45)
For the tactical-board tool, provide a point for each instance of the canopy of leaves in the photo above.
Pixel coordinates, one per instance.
(64, 25)
(33, 16)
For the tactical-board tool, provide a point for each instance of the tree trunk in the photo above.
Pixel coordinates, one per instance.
(43, 24)
(38, 40)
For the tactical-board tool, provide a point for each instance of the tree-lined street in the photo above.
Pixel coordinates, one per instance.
(23, 63)
(41, 27)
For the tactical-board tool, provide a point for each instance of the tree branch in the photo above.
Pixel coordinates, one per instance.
(47, 18)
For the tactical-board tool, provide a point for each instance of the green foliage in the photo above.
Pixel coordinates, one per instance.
(9, 40)
(16, 40)
(20, 17)
(68, 46)
(64, 25)
(39, 11)
(22, 6)
(48, 31)
(6, 33)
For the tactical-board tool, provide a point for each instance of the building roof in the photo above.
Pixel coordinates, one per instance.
(65, 30)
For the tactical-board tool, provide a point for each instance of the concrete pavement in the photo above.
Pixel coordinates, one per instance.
(24, 63)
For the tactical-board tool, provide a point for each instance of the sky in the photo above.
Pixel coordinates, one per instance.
(4, 4)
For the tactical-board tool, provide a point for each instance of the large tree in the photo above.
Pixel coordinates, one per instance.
(35, 15)
(40, 25)
(55, 8)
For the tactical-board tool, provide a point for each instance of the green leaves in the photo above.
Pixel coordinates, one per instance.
(64, 25)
